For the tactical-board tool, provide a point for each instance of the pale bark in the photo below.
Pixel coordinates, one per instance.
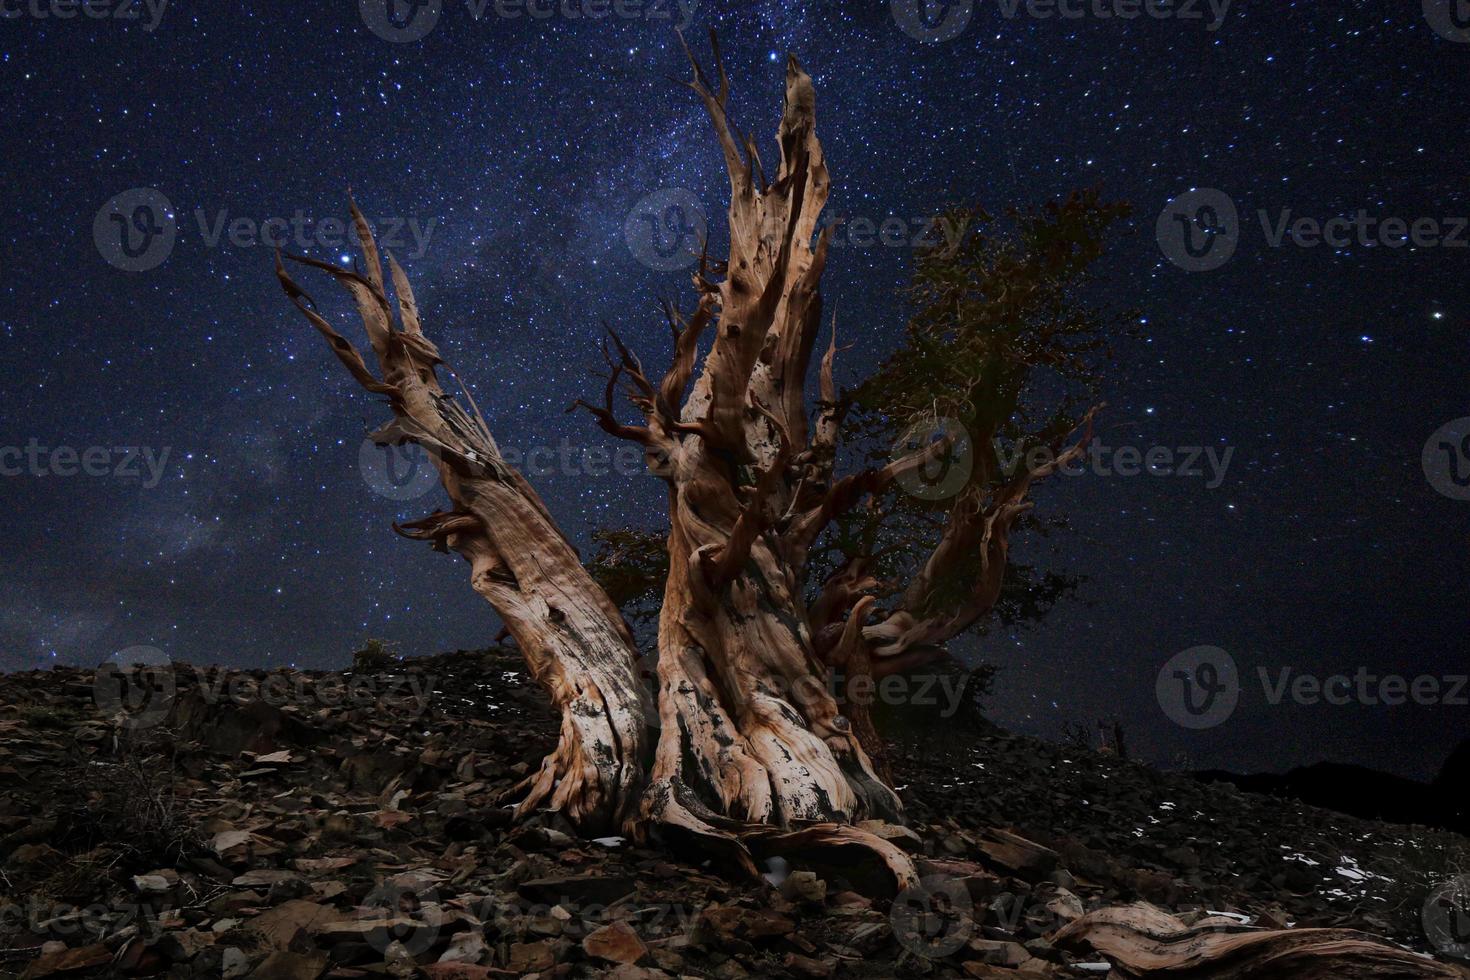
(751, 745)
(752, 756)
(1142, 941)
(573, 638)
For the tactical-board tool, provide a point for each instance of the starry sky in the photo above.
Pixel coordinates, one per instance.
(518, 147)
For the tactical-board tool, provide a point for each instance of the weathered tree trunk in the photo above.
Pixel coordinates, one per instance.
(573, 638)
(752, 756)
(750, 730)
(751, 746)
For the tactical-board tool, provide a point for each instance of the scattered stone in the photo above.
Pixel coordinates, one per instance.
(530, 957)
(282, 965)
(615, 942)
(804, 886)
(280, 927)
(577, 889)
(467, 947)
(359, 844)
(64, 961)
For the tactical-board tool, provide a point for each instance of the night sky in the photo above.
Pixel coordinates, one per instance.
(522, 145)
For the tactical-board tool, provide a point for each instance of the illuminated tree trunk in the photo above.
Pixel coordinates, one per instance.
(751, 754)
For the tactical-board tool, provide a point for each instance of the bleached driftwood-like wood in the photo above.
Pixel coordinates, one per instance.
(749, 733)
(1142, 941)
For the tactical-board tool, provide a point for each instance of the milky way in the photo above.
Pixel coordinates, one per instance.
(213, 503)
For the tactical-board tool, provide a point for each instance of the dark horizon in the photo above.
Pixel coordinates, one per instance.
(514, 157)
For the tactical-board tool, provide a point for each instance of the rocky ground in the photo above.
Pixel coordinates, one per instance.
(300, 825)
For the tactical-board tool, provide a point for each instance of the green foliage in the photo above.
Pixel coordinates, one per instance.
(59, 718)
(631, 565)
(1000, 340)
(375, 654)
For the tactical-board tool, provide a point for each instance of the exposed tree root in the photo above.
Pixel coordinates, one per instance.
(1142, 941)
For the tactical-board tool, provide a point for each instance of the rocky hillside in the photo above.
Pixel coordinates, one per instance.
(301, 825)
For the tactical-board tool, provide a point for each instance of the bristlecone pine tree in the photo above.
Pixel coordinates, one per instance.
(752, 755)
(746, 751)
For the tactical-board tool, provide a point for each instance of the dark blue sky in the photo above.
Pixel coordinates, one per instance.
(517, 149)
